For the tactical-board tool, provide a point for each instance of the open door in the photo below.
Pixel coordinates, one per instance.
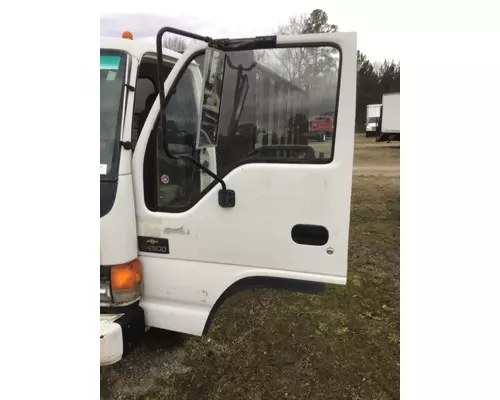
(289, 225)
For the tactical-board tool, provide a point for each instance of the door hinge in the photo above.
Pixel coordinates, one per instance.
(128, 145)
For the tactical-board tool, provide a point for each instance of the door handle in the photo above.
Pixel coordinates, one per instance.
(310, 235)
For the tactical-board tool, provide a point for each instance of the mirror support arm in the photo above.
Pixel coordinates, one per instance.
(240, 93)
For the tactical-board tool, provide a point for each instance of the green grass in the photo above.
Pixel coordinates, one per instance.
(267, 344)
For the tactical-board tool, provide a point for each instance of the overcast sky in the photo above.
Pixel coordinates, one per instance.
(377, 32)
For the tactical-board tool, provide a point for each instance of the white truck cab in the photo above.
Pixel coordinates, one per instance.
(372, 119)
(217, 191)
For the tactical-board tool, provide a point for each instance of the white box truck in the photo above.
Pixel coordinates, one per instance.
(372, 118)
(389, 118)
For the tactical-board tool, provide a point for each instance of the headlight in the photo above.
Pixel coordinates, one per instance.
(121, 284)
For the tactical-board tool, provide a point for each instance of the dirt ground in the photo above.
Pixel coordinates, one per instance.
(267, 344)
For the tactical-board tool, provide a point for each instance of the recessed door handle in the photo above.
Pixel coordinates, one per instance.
(310, 235)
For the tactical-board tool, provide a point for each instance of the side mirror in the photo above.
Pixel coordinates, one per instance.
(227, 197)
(210, 99)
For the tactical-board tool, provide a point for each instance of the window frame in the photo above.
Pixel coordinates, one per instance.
(155, 207)
(156, 139)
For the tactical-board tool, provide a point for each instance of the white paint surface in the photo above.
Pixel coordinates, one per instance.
(222, 246)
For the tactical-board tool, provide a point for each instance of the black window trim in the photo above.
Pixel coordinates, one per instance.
(254, 160)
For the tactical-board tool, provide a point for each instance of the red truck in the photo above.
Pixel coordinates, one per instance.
(321, 127)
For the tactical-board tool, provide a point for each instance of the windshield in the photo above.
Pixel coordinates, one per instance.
(112, 88)
(372, 120)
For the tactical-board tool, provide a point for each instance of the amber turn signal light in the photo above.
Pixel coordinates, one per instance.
(126, 277)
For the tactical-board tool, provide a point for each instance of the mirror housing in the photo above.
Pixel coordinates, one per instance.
(226, 196)
(210, 98)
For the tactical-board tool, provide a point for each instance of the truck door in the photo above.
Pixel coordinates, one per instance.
(289, 226)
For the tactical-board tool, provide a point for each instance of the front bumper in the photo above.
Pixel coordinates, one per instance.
(121, 331)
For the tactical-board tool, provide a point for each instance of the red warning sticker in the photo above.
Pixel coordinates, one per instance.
(165, 179)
